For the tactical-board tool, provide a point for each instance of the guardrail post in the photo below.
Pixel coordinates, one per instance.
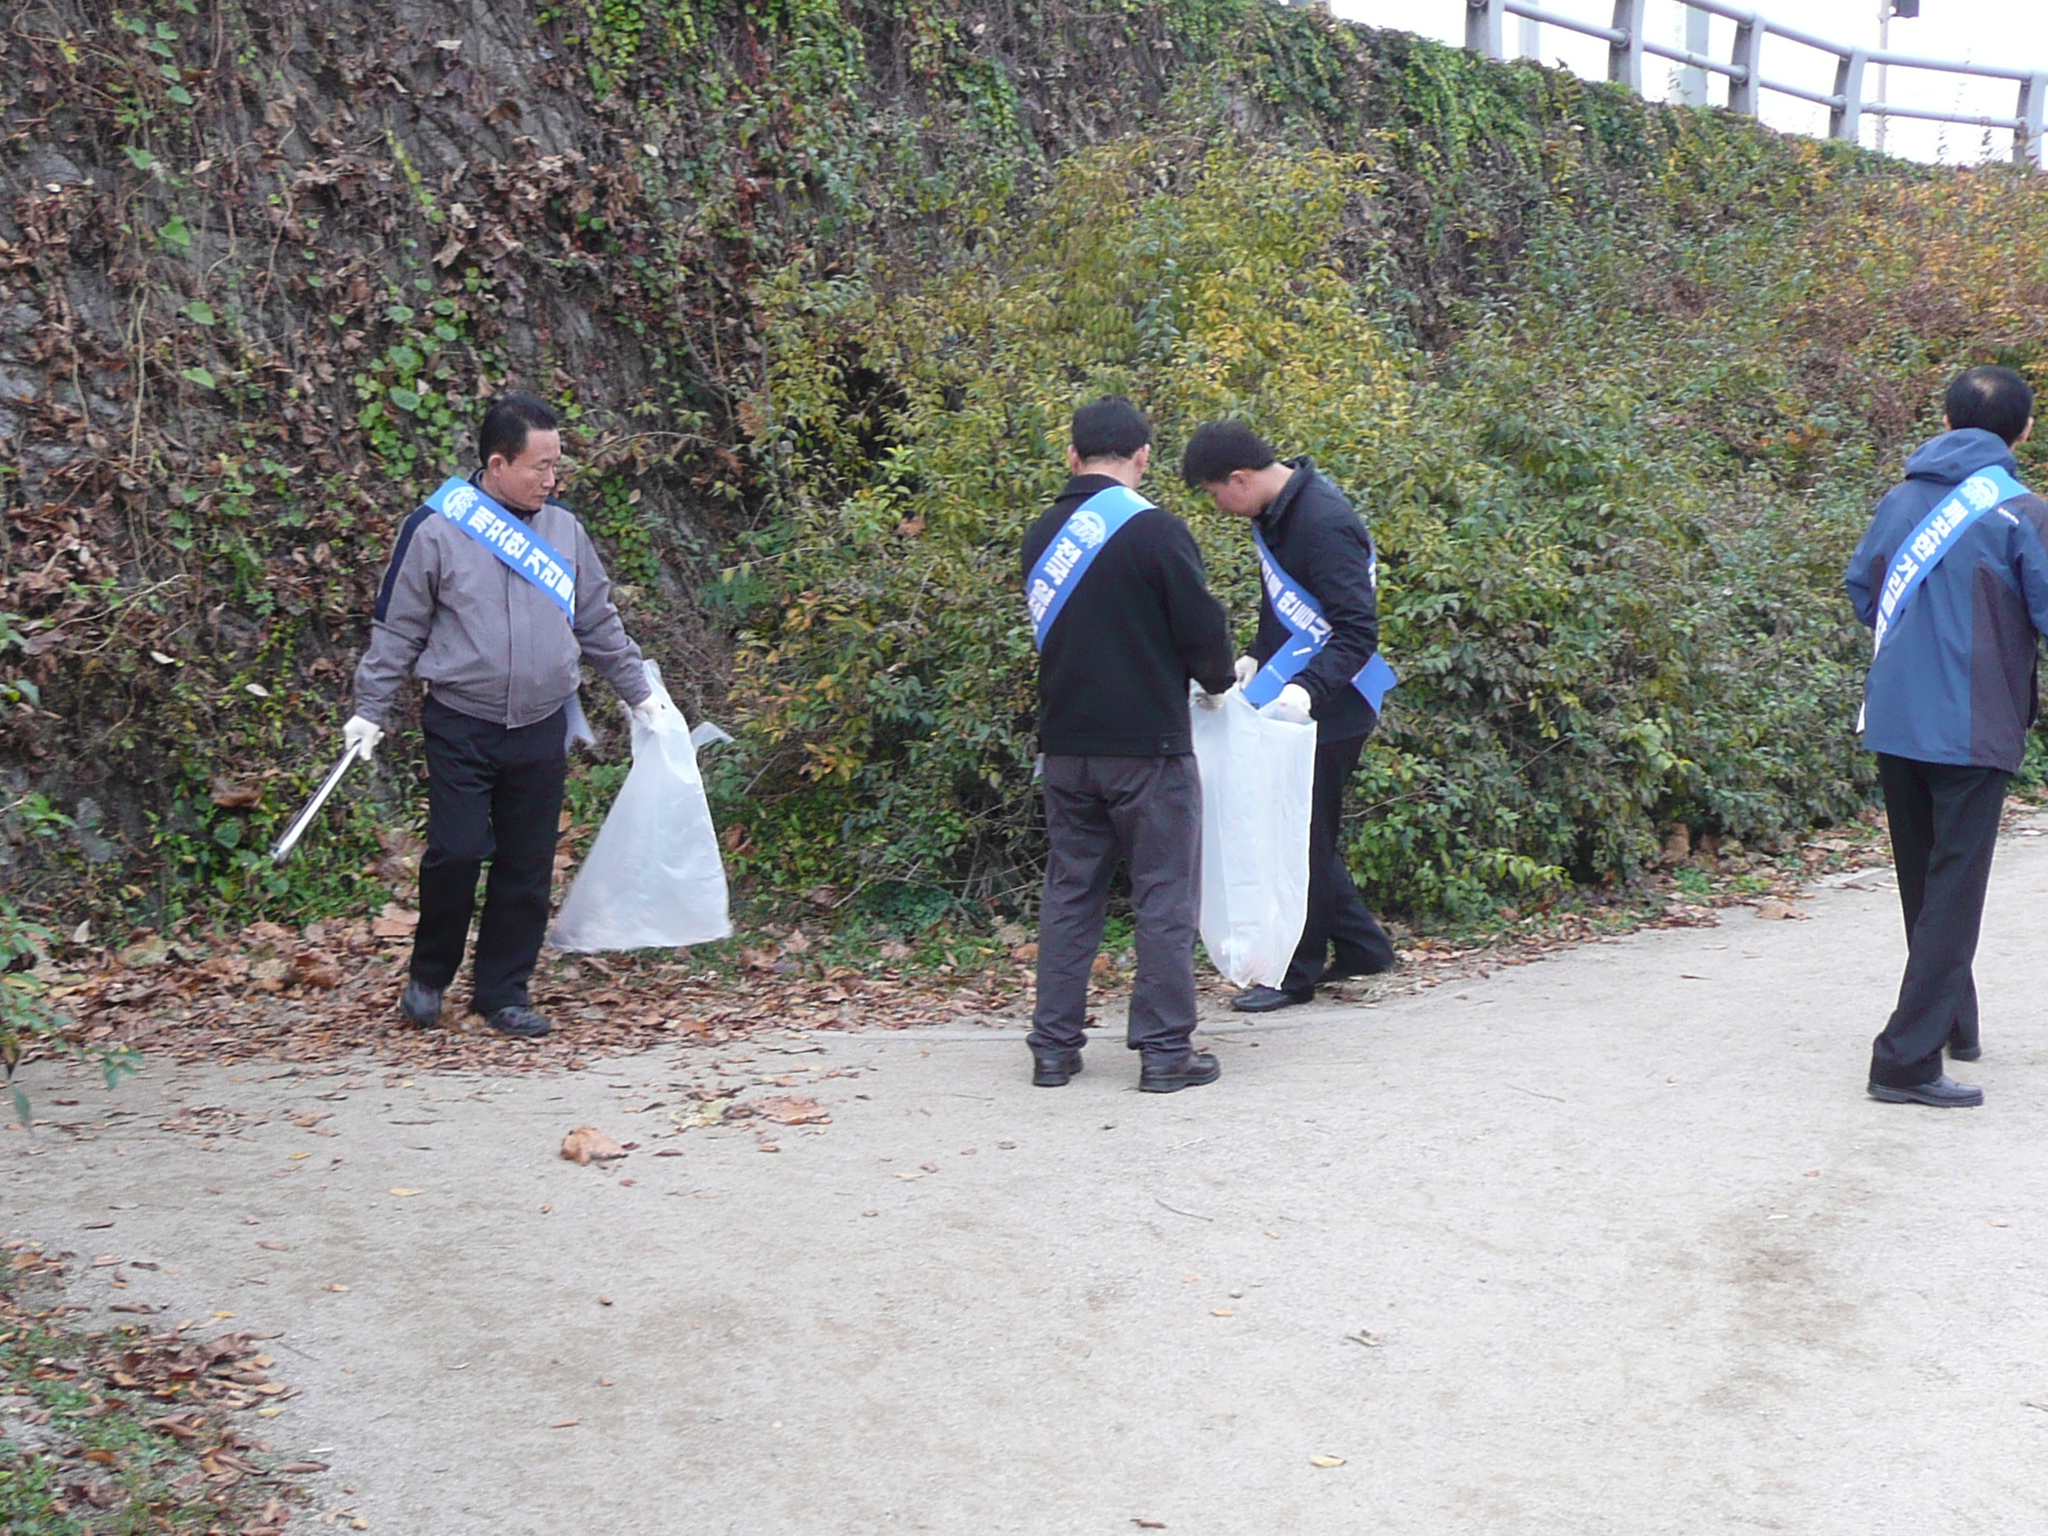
(1625, 58)
(2028, 148)
(1845, 119)
(1745, 91)
(1486, 27)
(1692, 80)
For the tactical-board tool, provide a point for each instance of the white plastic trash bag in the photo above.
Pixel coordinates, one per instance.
(653, 879)
(1258, 779)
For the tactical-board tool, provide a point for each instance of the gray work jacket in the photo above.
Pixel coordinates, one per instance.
(488, 643)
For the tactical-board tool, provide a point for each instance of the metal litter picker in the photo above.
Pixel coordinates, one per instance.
(282, 848)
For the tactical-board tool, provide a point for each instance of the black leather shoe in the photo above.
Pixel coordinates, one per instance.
(1959, 1052)
(1051, 1066)
(519, 1021)
(1177, 1072)
(1942, 1093)
(420, 1004)
(1265, 1000)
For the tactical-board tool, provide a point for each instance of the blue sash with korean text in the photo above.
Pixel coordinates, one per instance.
(1072, 550)
(511, 539)
(1934, 538)
(1303, 616)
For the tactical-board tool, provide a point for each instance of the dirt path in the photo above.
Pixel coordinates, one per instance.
(1609, 1243)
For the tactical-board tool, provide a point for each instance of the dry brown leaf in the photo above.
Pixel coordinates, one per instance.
(316, 968)
(587, 1143)
(233, 796)
(395, 922)
(790, 1110)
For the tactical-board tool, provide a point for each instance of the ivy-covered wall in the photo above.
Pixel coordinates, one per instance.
(815, 282)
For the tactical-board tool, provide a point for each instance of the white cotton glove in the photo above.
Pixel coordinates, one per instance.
(1292, 705)
(364, 731)
(1247, 669)
(646, 712)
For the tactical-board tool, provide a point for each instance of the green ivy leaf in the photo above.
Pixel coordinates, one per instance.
(181, 96)
(398, 314)
(174, 236)
(404, 398)
(141, 159)
(198, 376)
(405, 360)
(199, 313)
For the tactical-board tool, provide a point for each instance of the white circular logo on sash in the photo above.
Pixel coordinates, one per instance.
(1980, 492)
(459, 502)
(1088, 528)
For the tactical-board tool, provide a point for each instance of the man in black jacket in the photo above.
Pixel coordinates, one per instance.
(1124, 620)
(1316, 538)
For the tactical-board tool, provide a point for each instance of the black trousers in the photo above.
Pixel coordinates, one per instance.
(492, 794)
(1944, 826)
(1100, 811)
(1338, 917)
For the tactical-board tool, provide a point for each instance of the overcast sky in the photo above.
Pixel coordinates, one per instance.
(2008, 33)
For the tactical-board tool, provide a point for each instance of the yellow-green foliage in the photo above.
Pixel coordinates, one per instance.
(1612, 514)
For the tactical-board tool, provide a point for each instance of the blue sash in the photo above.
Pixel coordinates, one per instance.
(1072, 550)
(1934, 538)
(505, 535)
(1304, 617)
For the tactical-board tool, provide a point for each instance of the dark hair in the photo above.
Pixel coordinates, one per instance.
(1220, 449)
(1110, 428)
(506, 424)
(1994, 399)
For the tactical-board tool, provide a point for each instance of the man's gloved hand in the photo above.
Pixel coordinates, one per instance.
(1247, 669)
(1293, 704)
(365, 731)
(1207, 700)
(645, 712)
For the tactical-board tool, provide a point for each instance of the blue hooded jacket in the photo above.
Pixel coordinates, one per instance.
(1955, 682)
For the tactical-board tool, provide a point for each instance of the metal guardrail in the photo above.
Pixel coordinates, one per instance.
(1744, 69)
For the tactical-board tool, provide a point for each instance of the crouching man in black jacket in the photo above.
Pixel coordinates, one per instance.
(1123, 618)
(1320, 546)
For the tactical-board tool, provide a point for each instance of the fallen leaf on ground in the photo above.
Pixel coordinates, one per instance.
(394, 922)
(587, 1143)
(316, 968)
(232, 796)
(793, 1111)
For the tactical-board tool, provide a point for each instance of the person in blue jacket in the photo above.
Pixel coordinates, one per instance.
(1953, 577)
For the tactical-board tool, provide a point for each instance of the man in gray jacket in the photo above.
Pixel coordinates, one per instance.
(499, 643)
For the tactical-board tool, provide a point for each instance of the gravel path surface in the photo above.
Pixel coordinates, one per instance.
(1608, 1243)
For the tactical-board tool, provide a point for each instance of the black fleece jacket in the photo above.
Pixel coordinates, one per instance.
(1321, 541)
(1113, 677)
